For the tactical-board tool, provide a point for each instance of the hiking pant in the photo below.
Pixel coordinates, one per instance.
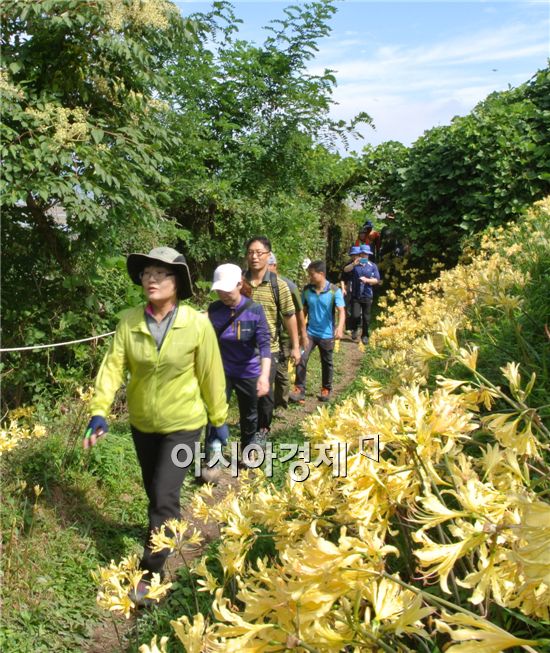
(247, 398)
(265, 403)
(361, 315)
(326, 349)
(282, 382)
(162, 481)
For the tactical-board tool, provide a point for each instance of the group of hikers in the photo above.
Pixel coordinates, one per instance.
(181, 366)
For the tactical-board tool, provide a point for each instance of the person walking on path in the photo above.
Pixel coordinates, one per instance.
(368, 236)
(365, 277)
(321, 300)
(243, 334)
(273, 294)
(346, 286)
(282, 384)
(175, 385)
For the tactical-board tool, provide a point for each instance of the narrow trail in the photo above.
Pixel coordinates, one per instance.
(346, 364)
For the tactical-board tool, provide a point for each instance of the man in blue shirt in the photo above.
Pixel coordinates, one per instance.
(365, 276)
(321, 300)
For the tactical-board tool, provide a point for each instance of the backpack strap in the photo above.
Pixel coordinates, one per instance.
(307, 288)
(274, 282)
(232, 319)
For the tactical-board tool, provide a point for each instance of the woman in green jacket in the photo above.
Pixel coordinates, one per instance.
(168, 355)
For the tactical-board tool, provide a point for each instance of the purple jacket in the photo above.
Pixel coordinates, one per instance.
(241, 341)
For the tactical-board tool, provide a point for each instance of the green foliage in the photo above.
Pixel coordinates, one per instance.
(83, 148)
(251, 116)
(454, 181)
(126, 126)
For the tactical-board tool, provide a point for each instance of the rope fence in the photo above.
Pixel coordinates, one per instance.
(57, 344)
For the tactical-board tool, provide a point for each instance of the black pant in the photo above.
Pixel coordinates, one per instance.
(265, 403)
(361, 315)
(247, 398)
(162, 481)
(326, 348)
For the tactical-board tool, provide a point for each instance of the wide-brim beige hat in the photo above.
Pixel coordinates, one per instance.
(165, 256)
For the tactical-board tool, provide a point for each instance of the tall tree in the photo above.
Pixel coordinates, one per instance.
(84, 144)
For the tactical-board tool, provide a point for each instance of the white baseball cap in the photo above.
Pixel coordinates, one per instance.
(226, 277)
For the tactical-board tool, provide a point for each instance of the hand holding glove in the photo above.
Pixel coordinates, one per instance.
(96, 428)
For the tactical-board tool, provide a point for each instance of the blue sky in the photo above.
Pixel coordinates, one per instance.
(414, 65)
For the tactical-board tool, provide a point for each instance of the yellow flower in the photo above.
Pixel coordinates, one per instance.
(426, 349)
(533, 550)
(117, 580)
(153, 648)
(190, 634)
(440, 558)
(477, 635)
(207, 580)
(179, 539)
(468, 357)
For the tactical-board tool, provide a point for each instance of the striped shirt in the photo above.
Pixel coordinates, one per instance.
(263, 294)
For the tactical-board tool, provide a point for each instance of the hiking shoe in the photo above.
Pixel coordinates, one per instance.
(211, 474)
(138, 596)
(260, 438)
(365, 340)
(324, 395)
(298, 396)
(211, 471)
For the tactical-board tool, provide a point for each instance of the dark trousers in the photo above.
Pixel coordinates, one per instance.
(282, 382)
(265, 403)
(326, 348)
(361, 315)
(247, 398)
(162, 481)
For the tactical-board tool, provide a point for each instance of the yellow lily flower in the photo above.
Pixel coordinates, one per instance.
(477, 635)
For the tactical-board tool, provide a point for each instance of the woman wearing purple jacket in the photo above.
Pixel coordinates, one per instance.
(243, 335)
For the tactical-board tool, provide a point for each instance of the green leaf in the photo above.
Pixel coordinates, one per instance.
(97, 134)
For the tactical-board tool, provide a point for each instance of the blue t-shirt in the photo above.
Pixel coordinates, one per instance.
(362, 290)
(320, 321)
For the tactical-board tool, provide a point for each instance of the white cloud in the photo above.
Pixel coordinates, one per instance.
(409, 89)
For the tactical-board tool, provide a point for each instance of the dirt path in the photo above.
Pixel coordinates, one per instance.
(346, 362)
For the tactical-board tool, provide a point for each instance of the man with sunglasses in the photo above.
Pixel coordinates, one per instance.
(273, 294)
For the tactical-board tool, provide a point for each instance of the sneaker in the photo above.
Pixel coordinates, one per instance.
(298, 396)
(355, 336)
(138, 596)
(324, 395)
(365, 340)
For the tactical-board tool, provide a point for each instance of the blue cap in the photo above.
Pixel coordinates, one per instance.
(368, 223)
(365, 249)
(354, 249)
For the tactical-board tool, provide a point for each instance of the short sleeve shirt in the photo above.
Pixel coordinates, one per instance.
(320, 310)
(263, 294)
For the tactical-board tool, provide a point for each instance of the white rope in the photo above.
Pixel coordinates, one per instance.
(58, 344)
